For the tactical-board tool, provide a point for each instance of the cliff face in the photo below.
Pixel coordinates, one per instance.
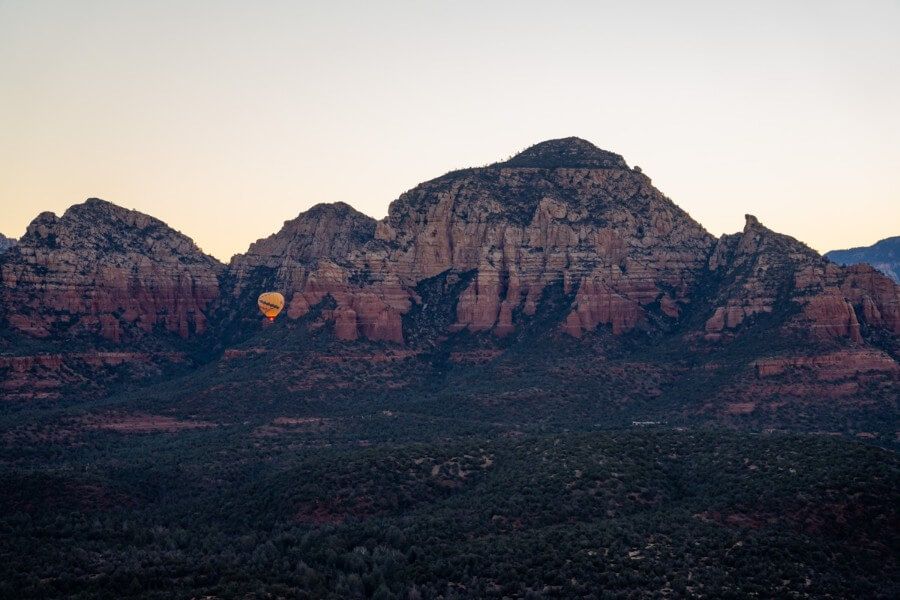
(765, 273)
(326, 232)
(563, 244)
(311, 258)
(99, 294)
(106, 271)
(561, 212)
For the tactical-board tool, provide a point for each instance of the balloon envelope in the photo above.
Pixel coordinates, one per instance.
(270, 304)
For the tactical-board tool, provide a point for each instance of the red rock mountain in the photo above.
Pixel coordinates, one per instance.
(562, 211)
(99, 286)
(564, 242)
(104, 270)
(762, 272)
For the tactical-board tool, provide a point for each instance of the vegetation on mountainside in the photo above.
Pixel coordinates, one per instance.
(292, 467)
(297, 509)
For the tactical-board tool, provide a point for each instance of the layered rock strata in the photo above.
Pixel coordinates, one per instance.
(761, 272)
(562, 212)
(106, 271)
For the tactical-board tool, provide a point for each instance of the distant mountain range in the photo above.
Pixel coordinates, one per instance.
(561, 272)
(883, 255)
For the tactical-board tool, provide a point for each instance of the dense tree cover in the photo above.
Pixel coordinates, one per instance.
(332, 473)
(300, 509)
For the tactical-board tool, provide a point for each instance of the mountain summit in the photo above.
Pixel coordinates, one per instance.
(570, 152)
(106, 271)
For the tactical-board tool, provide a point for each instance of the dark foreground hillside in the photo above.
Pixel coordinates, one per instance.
(118, 505)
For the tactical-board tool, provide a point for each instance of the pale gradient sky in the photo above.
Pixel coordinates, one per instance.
(226, 118)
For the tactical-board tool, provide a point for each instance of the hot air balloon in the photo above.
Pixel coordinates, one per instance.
(270, 304)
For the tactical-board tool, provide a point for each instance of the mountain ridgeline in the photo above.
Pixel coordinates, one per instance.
(883, 255)
(560, 270)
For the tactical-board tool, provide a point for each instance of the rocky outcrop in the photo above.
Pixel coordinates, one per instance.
(326, 233)
(315, 256)
(582, 219)
(751, 268)
(838, 302)
(763, 272)
(562, 240)
(839, 298)
(562, 212)
(811, 387)
(832, 366)
(102, 270)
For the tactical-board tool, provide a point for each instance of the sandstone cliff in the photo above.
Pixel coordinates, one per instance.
(563, 246)
(311, 258)
(106, 271)
(562, 212)
(761, 272)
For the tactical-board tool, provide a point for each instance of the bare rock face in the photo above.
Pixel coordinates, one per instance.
(615, 243)
(102, 270)
(562, 241)
(871, 298)
(762, 272)
(563, 219)
(562, 212)
(326, 232)
(751, 268)
(311, 258)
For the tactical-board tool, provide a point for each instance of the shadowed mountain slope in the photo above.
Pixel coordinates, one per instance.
(883, 255)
